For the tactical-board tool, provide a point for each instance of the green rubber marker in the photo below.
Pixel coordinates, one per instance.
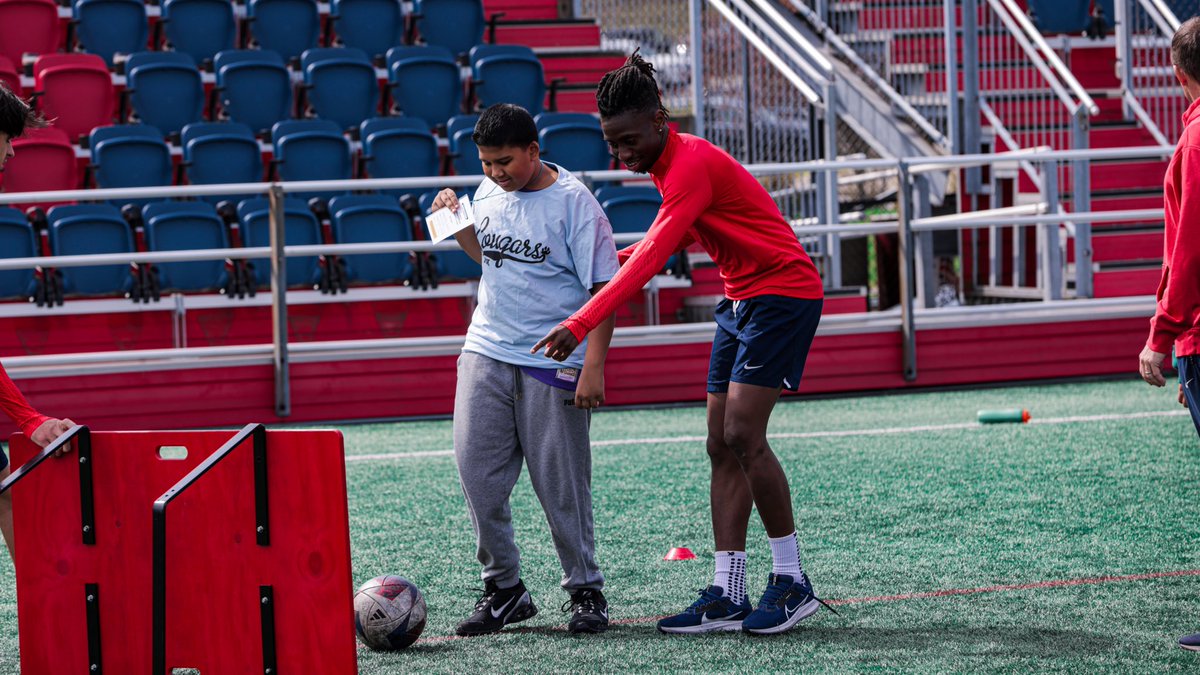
(1012, 415)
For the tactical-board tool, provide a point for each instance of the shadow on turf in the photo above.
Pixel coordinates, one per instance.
(1040, 642)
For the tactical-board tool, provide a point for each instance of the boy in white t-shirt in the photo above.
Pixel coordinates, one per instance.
(546, 247)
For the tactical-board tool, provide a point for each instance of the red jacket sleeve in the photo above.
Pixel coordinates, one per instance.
(1178, 298)
(16, 407)
(686, 195)
(626, 253)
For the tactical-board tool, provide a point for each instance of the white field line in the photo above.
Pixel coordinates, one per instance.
(806, 434)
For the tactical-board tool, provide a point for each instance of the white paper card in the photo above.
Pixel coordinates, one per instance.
(444, 222)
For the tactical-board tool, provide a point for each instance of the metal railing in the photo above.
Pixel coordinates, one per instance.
(938, 132)
(763, 102)
(903, 44)
(1150, 93)
(1050, 220)
(663, 29)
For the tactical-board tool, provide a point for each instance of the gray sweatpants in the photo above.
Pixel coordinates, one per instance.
(501, 417)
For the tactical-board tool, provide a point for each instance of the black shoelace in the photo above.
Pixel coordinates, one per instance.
(583, 602)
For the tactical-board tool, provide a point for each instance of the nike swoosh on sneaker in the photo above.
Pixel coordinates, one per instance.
(787, 613)
(705, 619)
(497, 612)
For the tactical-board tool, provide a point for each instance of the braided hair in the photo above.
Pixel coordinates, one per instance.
(630, 88)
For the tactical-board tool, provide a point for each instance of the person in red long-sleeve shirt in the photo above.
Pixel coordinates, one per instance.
(15, 117)
(1176, 321)
(765, 325)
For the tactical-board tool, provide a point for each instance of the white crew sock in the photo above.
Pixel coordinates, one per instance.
(731, 575)
(785, 554)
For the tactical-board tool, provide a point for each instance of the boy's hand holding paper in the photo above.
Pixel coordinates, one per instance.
(443, 222)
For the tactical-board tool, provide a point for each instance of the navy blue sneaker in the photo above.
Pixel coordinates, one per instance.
(713, 611)
(1190, 642)
(784, 604)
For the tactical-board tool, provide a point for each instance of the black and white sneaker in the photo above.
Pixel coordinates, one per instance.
(497, 608)
(589, 611)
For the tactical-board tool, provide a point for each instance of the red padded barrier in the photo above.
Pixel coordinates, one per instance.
(214, 566)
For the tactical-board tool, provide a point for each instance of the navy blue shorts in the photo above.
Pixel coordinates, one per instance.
(1189, 377)
(762, 341)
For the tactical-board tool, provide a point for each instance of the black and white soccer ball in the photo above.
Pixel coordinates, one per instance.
(389, 613)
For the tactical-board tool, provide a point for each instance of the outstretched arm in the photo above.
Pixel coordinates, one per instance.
(685, 198)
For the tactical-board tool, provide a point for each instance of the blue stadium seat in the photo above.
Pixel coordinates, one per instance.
(573, 140)
(108, 27)
(374, 26)
(425, 83)
(398, 147)
(300, 228)
(341, 85)
(311, 150)
(254, 86)
(508, 74)
(631, 210)
(17, 240)
(165, 89)
(360, 219)
(456, 25)
(130, 155)
(84, 229)
(221, 152)
(199, 28)
(287, 27)
(464, 155)
(451, 264)
(186, 226)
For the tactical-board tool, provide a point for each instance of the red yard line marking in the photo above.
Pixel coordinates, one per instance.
(942, 593)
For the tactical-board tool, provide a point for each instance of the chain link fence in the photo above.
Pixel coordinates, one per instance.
(661, 29)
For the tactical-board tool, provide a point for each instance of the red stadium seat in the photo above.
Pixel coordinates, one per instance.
(74, 90)
(9, 75)
(43, 159)
(28, 26)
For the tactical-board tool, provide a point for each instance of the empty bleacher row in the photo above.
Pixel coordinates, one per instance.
(201, 92)
(168, 225)
(256, 87)
(202, 28)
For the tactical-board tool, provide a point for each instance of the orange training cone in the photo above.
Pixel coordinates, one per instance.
(679, 553)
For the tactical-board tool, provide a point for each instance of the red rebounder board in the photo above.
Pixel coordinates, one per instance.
(216, 570)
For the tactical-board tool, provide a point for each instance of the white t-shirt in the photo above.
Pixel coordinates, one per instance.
(542, 253)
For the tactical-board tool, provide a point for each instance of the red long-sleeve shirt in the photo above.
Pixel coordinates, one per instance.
(708, 197)
(1177, 317)
(16, 407)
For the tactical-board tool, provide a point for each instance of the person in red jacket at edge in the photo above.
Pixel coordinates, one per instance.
(1176, 319)
(15, 118)
(765, 325)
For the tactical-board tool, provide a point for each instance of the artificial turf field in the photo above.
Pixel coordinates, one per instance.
(1074, 540)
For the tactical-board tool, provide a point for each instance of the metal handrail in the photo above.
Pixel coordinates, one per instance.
(1043, 57)
(813, 53)
(1144, 117)
(920, 164)
(1163, 15)
(767, 52)
(25, 367)
(820, 71)
(881, 85)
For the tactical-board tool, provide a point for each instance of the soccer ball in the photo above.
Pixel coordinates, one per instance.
(389, 613)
